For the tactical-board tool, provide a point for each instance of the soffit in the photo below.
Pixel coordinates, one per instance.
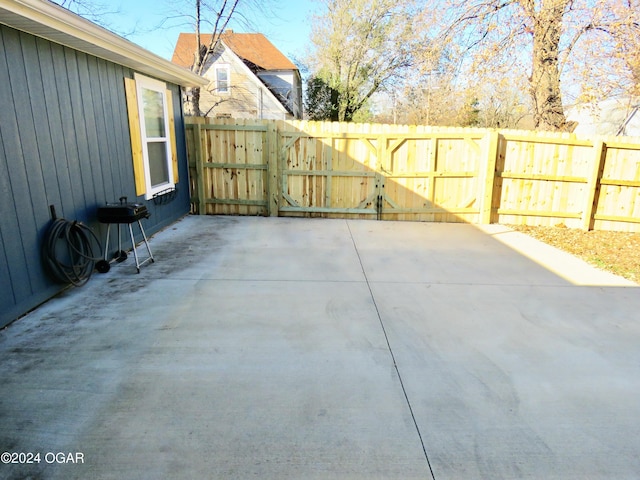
(52, 22)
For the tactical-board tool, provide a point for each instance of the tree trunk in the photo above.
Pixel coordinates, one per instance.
(191, 103)
(334, 101)
(545, 77)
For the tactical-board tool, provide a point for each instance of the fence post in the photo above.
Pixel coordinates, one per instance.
(593, 185)
(273, 184)
(197, 136)
(490, 155)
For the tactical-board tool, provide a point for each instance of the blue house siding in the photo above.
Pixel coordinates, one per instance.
(64, 141)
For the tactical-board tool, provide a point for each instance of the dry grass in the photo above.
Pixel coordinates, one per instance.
(616, 252)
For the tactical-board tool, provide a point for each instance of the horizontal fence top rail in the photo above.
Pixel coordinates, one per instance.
(551, 140)
(383, 135)
(229, 128)
(356, 130)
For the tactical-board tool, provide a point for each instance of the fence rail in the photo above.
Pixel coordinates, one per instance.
(294, 168)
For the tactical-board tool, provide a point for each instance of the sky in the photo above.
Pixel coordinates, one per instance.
(287, 25)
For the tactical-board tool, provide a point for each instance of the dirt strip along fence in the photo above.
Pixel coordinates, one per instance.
(417, 173)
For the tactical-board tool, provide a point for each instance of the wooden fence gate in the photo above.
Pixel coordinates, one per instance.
(401, 175)
(253, 167)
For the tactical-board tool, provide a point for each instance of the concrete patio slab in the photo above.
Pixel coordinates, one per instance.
(308, 348)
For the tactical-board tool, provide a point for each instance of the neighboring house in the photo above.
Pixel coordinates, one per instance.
(249, 77)
(616, 116)
(87, 117)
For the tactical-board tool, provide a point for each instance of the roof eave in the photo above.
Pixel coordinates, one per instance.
(52, 22)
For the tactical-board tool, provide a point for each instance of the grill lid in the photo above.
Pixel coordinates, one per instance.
(122, 212)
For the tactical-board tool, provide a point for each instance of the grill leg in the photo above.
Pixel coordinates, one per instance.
(135, 252)
(133, 244)
(146, 242)
(119, 241)
(106, 243)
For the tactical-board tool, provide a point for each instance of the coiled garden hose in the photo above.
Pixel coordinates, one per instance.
(67, 252)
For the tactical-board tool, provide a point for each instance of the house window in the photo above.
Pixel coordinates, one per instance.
(222, 79)
(152, 136)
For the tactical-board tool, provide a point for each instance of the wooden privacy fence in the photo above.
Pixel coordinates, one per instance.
(390, 172)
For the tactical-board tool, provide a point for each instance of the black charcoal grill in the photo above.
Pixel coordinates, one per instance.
(123, 213)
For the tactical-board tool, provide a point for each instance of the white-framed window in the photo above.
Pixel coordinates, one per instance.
(152, 132)
(223, 79)
(155, 135)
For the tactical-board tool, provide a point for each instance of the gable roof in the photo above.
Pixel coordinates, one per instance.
(251, 47)
(57, 24)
